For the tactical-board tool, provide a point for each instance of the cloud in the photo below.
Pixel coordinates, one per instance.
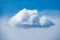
(23, 15)
(29, 18)
(51, 33)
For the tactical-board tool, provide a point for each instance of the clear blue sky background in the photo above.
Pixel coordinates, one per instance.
(11, 7)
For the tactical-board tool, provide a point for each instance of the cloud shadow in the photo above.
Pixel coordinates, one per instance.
(46, 25)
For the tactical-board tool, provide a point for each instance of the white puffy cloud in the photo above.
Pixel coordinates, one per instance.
(26, 17)
(23, 17)
(51, 33)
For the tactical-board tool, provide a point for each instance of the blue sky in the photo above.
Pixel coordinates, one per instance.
(11, 7)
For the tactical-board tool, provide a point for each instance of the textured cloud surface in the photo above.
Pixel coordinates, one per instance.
(29, 18)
